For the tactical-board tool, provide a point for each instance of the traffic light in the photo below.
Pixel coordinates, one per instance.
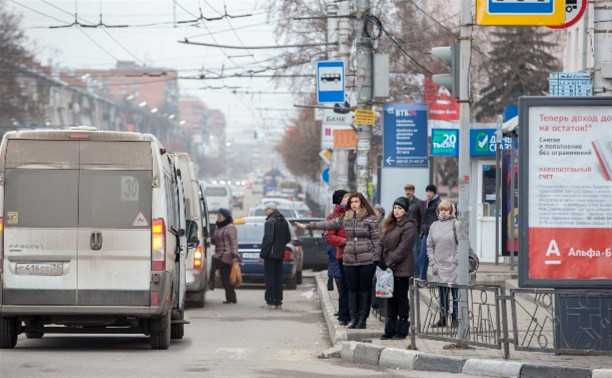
(450, 55)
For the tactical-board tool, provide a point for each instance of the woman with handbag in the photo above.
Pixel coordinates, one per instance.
(398, 237)
(225, 240)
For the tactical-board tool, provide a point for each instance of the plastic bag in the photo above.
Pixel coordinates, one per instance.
(236, 275)
(384, 283)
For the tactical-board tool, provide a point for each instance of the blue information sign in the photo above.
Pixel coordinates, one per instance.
(482, 142)
(405, 135)
(325, 175)
(445, 142)
(330, 82)
(520, 6)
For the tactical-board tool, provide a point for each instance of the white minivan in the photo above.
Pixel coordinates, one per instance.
(218, 196)
(195, 211)
(93, 235)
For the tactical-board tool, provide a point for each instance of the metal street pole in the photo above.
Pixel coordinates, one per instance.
(602, 45)
(463, 231)
(364, 96)
(498, 184)
(338, 30)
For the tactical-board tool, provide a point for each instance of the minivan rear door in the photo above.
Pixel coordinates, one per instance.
(114, 237)
(40, 217)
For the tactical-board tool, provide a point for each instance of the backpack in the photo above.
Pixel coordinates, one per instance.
(472, 257)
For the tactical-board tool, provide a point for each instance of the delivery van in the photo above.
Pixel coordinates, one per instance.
(93, 236)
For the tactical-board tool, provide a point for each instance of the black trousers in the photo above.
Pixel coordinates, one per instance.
(399, 305)
(273, 275)
(215, 264)
(230, 293)
(343, 303)
(359, 277)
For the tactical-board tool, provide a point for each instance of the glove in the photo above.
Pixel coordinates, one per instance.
(381, 264)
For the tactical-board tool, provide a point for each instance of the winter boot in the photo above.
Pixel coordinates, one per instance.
(441, 322)
(390, 325)
(364, 309)
(353, 308)
(403, 325)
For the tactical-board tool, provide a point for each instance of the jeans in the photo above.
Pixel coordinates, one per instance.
(230, 293)
(444, 292)
(343, 305)
(273, 275)
(423, 260)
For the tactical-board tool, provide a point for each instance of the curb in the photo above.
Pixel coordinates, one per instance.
(394, 358)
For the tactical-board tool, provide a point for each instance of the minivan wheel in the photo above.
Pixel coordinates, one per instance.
(8, 332)
(292, 283)
(160, 338)
(177, 330)
(199, 298)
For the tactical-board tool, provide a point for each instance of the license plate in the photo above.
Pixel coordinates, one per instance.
(250, 255)
(40, 269)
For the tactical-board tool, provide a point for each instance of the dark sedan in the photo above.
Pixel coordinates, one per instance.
(250, 236)
(315, 256)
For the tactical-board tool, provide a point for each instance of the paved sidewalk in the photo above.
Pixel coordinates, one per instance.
(364, 346)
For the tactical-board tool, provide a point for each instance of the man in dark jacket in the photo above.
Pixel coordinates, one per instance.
(416, 212)
(276, 236)
(430, 205)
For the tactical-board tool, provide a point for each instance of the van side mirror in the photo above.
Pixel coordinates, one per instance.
(192, 234)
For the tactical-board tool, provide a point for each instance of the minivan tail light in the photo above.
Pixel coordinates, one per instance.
(158, 245)
(288, 255)
(197, 257)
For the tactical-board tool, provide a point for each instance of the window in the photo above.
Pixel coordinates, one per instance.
(115, 199)
(41, 198)
(250, 233)
(216, 192)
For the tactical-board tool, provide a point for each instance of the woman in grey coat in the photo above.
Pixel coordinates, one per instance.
(361, 252)
(444, 260)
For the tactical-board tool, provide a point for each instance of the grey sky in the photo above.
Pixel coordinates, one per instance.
(157, 46)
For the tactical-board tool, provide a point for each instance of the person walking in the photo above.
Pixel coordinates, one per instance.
(225, 239)
(430, 206)
(336, 240)
(361, 252)
(417, 212)
(444, 260)
(276, 236)
(398, 236)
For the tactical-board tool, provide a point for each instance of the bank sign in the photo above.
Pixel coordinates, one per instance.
(405, 135)
(483, 141)
(445, 142)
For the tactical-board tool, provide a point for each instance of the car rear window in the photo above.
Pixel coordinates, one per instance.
(286, 213)
(115, 199)
(250, 233)
(216, 192)
(41, 198)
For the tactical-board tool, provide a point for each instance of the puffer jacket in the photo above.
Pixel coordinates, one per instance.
(336, 238)
(276, 237)
(442, 251)
(363, 236)
(225, 240)
(397, 247)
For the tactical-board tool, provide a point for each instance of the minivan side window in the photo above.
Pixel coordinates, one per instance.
(171, 202)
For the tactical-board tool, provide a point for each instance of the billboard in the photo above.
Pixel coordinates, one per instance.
(405, 135)
(565, 170)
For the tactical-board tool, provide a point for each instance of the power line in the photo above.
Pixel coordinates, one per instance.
(186, 41)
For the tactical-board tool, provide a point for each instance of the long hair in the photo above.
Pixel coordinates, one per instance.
(364, 202)
(389, 224)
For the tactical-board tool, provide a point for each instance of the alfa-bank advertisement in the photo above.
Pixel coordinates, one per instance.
(566, 171)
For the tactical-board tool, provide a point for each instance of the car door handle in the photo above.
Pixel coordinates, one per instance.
(96, 240)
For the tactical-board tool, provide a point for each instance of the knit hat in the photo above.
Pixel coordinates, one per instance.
(225, 212)
(337, 196)
(378, 207)
(431, 188)
(402, 202)
(270, 205)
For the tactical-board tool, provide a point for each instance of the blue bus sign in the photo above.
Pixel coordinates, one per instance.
(330, 82)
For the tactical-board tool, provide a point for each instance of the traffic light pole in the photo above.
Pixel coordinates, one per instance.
(364, 96)
(463, 230)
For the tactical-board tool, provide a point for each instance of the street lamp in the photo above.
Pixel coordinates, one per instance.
(143, 104)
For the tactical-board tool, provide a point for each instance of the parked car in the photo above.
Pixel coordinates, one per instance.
(197, 271)
(250, 236)
(94, 235)
(288, 212)
(237, 198)
(218, 196)
(302, 209)
(311, 241)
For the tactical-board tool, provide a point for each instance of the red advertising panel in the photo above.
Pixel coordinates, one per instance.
(568, 192)
(442, 106)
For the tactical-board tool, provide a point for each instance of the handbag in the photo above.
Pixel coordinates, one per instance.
(236, 275)
(473, 258)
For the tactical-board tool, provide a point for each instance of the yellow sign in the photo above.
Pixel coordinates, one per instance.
(345, 139)
(520, 13)
(365, 117)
